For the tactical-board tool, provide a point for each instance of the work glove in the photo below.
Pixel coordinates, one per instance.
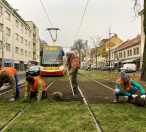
(12, 99)
(134, 95)
(38, 100)
(143, 96)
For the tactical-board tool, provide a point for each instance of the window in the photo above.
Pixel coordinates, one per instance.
(21, 51)
(16, 50)
(124, 54)
(7, 15)
(29, 54)
(134, 51)
(130, 52)
(1, 27)
(1, 10)
(16, 36)
(0, 44)
(138, 50)
(25, 31)
(25, 53)
(8, 31)
(7, 47)
(21, 39)
(25, 42)
(21, 28)
(16, 23)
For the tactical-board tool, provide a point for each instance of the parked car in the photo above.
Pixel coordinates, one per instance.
(130, 67)
(33, 70)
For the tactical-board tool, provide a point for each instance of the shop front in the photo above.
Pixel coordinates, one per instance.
(8, 63)
(17, 65)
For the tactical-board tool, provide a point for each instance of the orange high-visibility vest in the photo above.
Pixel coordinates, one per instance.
(77, 65)
(128, 85)
(35, 87)
(11, 70)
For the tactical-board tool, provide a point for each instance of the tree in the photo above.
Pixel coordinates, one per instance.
(136, 9)
(96, 43)
(78, 47)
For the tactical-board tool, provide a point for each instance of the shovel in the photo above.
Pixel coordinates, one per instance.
(70, 82)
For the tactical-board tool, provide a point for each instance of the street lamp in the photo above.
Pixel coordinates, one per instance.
(109, 50)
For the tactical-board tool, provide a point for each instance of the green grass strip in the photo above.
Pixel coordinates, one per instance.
(120, 117)
(8, 110)
(48, 116)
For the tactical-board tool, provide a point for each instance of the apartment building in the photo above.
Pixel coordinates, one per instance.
(17, 46)
(103, 50)
(34, 49)
(129, 52)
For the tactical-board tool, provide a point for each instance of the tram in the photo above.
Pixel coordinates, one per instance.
(52, 62)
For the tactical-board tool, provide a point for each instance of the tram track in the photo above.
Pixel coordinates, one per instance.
(83, 97)
(20, 112)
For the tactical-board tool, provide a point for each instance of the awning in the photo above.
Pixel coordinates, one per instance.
(8, 61)
(16, 62)
(116, 62)
(126, 61)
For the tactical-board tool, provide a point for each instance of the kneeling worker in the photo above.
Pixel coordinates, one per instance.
(9, 75)
(37, 86)
(127, 87)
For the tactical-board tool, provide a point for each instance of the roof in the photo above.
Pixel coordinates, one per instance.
(13, 10)
(104, 40)
(129, 43)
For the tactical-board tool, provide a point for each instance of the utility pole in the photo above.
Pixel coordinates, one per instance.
(80, 57)
(109, 52)
(86, 54)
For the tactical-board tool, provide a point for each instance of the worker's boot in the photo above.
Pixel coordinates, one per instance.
(116, 99)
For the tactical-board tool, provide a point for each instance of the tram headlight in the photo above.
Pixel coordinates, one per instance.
(60, 68)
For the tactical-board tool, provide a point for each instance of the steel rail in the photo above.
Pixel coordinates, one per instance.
(10, 90)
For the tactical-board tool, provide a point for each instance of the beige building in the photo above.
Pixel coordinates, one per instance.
(18, 42)
(129, 52)
(34, 50)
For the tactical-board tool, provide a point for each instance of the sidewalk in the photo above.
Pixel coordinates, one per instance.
(21, 72)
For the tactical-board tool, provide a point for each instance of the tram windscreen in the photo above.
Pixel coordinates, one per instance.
(52, 55)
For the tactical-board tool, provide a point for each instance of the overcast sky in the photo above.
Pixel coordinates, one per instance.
(67, 14)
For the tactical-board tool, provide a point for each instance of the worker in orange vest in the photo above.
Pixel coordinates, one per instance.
(127, 87)
(9, 75)
(37, 86)
(73, 66)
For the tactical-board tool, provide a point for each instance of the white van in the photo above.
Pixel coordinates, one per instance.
(130, 67)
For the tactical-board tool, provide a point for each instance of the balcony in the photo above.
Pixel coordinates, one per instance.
(34, 41)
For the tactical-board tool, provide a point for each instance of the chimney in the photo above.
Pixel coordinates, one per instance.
(115, 35)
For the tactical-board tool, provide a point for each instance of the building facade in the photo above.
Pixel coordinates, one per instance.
(17, 48)
(129, 52)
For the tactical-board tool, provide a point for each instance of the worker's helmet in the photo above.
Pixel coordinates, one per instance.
(67, 54)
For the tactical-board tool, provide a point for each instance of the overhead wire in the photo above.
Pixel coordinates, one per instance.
(47, 15)
(82, 19)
